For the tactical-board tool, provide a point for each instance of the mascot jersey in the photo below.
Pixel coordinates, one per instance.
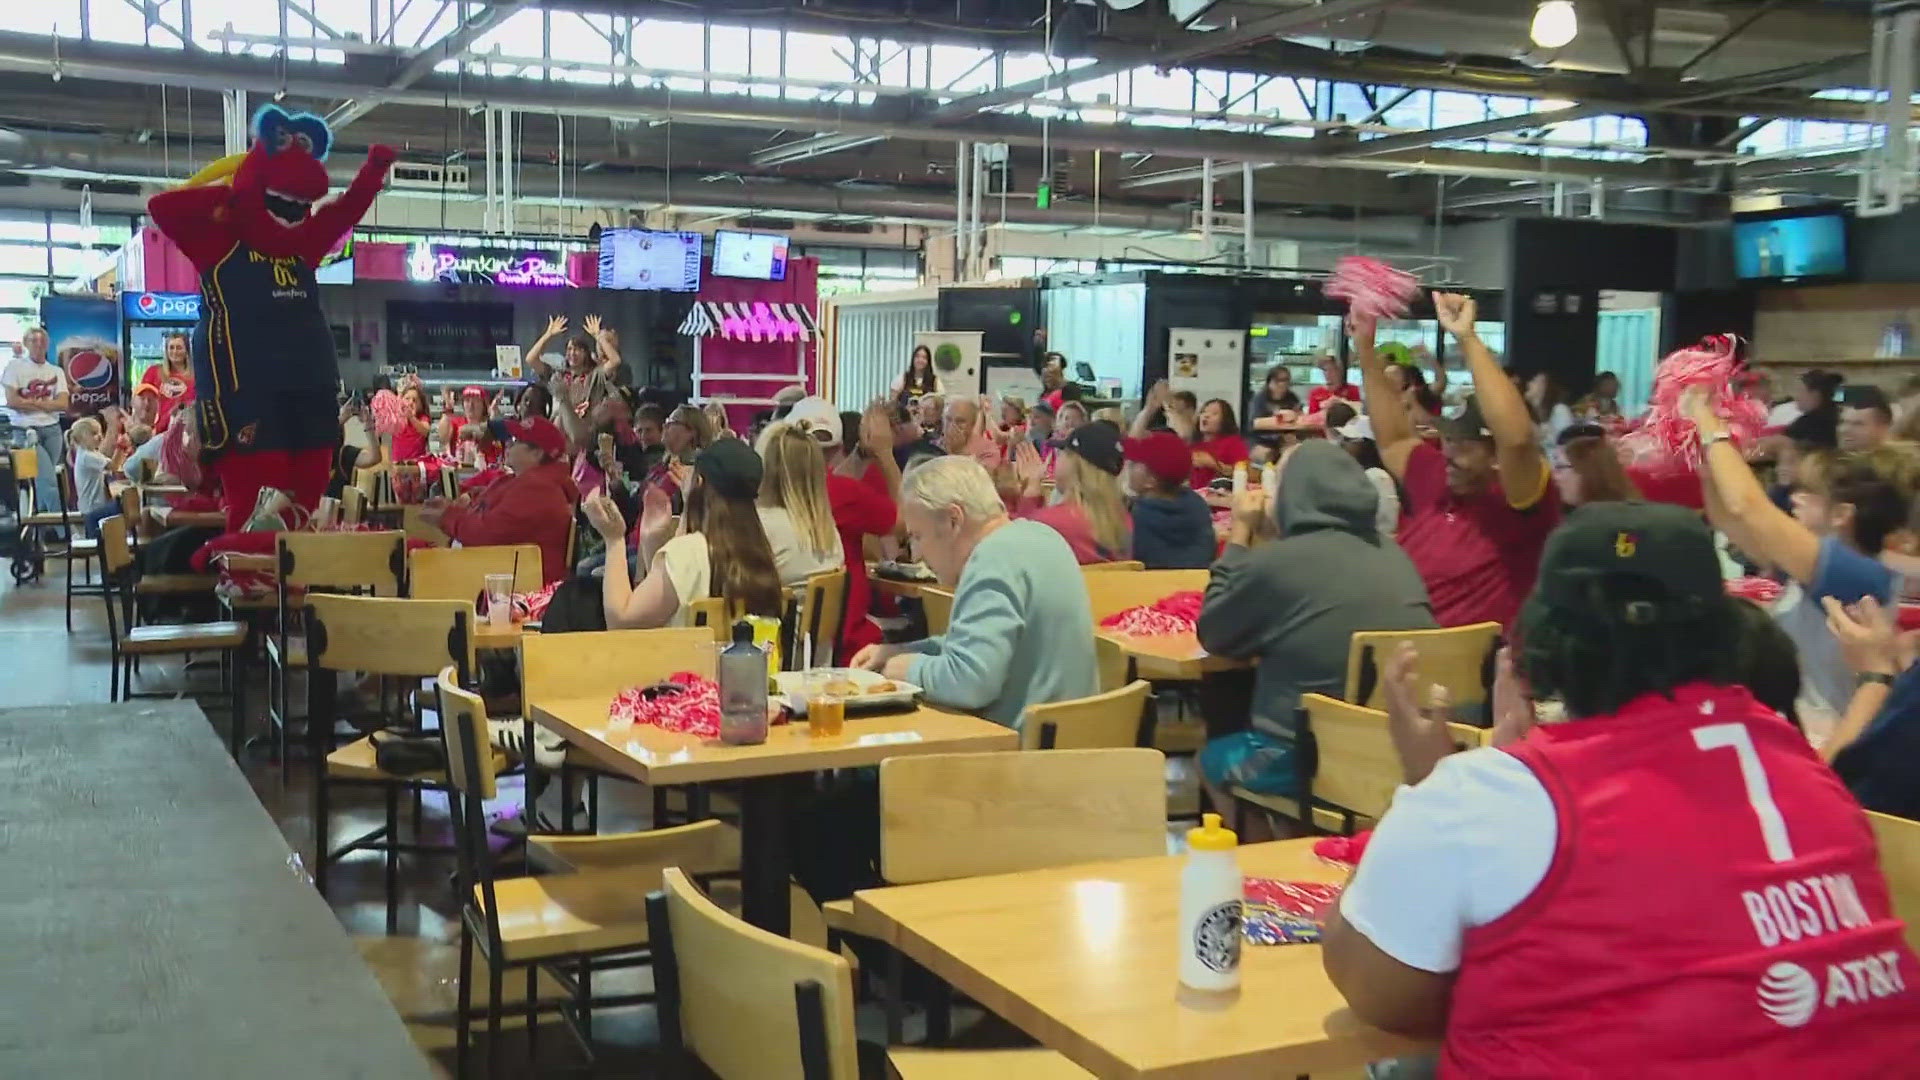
(263, 359)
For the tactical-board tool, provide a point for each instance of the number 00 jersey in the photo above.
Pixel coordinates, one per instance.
(262, 340)
(1714, 908)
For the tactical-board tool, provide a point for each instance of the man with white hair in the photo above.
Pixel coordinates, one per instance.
(1021, 633)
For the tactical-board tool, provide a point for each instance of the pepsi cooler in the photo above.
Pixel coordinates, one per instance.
(146, 319)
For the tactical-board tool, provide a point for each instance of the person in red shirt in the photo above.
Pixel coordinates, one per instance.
(410, 442)
(171, 381)
(1668, 883)
(532, 505)
(862, 489)
(1219, 446)
(1479, 506)
(1337, 385)
(468, 424)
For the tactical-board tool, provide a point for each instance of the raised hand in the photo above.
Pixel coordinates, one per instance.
(656, 511)
(1456, 313)
(556, 325)
(1028, 468)
(593, 326)
(605, 517)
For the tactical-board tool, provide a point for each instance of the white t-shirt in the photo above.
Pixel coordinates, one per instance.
(686, 561)
(1387, 517)
(793, 560)
(1784, 413)
(1456, 851)
(89, 479)
(35, 382)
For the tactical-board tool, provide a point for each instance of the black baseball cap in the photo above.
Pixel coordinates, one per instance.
(1864, 396)
(730, 467)
(1100, 444)
(1468, 425)
(1664, 545)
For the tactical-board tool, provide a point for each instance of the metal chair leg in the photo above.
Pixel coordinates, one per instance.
(393, 859)
(495, 987)
(463, 1025)
(533, 1016)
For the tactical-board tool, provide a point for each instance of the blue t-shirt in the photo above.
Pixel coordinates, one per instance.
(1847, 576)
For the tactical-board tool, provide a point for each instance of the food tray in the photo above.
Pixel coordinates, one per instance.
(899, 571)
(793, 690)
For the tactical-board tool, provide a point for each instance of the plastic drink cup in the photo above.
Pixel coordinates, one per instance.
(826, 715)
(500, 599)
(766, 634)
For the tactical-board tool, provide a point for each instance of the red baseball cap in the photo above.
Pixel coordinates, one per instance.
(473, 391)
(539, 433)
(1165, 454)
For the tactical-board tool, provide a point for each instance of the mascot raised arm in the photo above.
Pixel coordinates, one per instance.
(263, 361)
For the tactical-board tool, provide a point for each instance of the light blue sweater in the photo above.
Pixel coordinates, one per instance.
(1021, 633)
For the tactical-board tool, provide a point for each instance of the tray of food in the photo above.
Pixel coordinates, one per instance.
(904, 571)
(861, 690)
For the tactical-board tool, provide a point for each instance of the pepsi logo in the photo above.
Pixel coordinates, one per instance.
(89, 370)
(148, 303)
(1788, 994)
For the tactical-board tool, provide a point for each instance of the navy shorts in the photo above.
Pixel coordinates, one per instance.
(270, 420)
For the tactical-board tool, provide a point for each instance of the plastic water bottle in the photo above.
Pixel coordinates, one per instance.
(1210, 909)
(1270, 481)
(1240, 479)
(743, 688)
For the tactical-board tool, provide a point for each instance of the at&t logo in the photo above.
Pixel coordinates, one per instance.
(1789, 994)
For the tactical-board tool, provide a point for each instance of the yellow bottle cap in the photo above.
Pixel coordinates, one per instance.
(1210, 836)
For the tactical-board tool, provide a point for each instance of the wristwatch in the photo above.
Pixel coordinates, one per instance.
(1718, 436)
(1878, 677)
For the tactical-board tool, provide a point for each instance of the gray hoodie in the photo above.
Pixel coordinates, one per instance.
(1294, 605)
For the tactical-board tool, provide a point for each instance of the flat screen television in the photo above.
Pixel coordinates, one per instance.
(649, 260)
(1790, 245)
(760, 256)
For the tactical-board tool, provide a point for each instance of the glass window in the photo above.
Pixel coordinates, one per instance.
(15, 259)
(22, 296)
(23, 225)
(69, 263)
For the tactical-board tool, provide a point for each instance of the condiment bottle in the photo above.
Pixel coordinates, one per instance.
(1210, 909)
(743, 688)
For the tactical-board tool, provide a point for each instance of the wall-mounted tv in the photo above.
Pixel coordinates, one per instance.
(760, 256)
(1790, 245)
(645, 259)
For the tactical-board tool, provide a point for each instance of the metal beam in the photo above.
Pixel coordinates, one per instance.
(1734, 31)
(312, 19)
(455, 42)
(1189, 47)
(810, 147)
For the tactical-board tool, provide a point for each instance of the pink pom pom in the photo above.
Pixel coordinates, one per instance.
(389, 413)
(1666, 440)
(1371, 288)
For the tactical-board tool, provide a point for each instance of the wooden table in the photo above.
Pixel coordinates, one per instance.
(157, 924)
(767, 772)
(487, 636)
(1170, 657)
(1083, 959)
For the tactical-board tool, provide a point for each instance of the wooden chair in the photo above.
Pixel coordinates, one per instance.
(1349, 768)
(566, 923)
(1109, 594)
(1114, 665)
(1459, 658)
(80, 553)
(410, 639)
(1095, 568)
(819, 613)
(352, 563)
(133, 508)
(938, 605)
(1117, 718)
(130, 641)
(713, 613)
(793, 1017)
(353, 505)
(1899, 841)
(461, 573)
(595, 664)
(416, 528)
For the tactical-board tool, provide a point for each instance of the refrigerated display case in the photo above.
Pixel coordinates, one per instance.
(146, 320)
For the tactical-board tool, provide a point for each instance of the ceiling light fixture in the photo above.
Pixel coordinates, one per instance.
(1555, 24)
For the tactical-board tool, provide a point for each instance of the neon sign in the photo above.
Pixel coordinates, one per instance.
(436, 262)
(762, 323)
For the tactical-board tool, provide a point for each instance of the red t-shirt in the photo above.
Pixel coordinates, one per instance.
(1478, 554)
(1322, 396)
(859, 510)
(1715, 908)
(408, 444)
(1229, 450)
(169, 389)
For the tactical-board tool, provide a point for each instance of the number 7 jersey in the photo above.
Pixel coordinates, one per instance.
(1714, 908)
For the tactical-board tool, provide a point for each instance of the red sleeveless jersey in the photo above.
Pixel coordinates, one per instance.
(1714, 908)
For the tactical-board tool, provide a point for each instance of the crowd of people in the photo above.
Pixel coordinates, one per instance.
(1394, 505)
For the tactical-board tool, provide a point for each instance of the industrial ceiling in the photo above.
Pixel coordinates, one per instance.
(1113, 114)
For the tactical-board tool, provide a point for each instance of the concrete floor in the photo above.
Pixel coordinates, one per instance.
(419, 965)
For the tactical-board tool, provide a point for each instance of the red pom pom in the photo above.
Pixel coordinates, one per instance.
(1371, 288)
(389, 413)
(1666, 441)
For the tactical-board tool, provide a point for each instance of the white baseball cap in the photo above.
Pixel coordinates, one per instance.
(818, 418)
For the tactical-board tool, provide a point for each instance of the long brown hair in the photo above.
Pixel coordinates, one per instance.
(186, 346)
(796, 479)
(739, 559)
(1097, 495)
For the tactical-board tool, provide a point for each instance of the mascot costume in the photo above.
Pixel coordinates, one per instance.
(263, 361)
